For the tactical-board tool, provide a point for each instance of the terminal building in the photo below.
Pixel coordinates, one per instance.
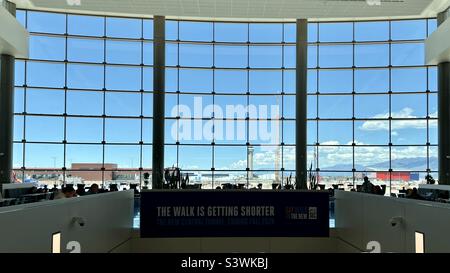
(319, 126)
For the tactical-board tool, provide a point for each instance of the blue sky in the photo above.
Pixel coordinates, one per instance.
(128, 80)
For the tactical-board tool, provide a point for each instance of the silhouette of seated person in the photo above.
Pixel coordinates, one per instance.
(113, 187)
(94, 189)
(414, 194)
(260, 186)
(367, 186)
(80, 190)
(67, 192)
(430, 180)
(443, 196)
(378, 190)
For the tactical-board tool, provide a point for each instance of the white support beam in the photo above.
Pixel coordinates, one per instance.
(437, 46)
(13, 36)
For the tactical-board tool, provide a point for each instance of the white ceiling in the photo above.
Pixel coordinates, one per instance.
(247, 9)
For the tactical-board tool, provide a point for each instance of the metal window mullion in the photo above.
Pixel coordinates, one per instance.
(390, 107)
(248, 101)
(104, 101)
(353, 104)
(141, 146)
(214, 109)
(65, 104)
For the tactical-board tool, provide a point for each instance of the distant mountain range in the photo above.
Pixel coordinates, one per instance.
(404, 164)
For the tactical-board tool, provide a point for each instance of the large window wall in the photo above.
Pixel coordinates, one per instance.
(85, 96)
(83, 100)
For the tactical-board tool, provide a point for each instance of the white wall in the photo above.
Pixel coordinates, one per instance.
(29, 227)
(233, 245)
(361, 218)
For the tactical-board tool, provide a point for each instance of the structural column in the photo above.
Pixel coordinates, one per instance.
(444, 116)
(6, 109)
(301, 103)
(159, 57)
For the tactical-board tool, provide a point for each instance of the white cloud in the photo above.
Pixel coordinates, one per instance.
(407, 113)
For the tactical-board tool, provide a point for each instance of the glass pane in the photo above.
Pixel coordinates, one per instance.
(122, 130)
(54, 156)
(125, 156)
(123, 27)
(372, 55)
(123, 78)
(41, 101)
(335, 132)
(85, 76)
(198, 106)
(19, 97)
(371, 158)
(196, 55)
(196, 80)
(223, 84)
(84, 50)
(312, 32)
(231, 32)
(44, 129)
(45, 74)
(232, 106)
(196, 31)
(171, 30)
(88, 130)
(401, 80)
(171, 54)
(409, 106)
(201, 161)
(46, 22)
(335, 106)
(372, 31)
(336, 32)
(408, 54)
(231, 56)
(18, 157)
(335, 81)
(148, 29)
(372, 80)
(76, 153)
(123, 52)
(266, 56)
(336, 56)
(289, 81)
(84, 103)
(148, 53)
(266, 33)
(290, 33)
(18, 128)
(47, 48)
(335, 158)
(409, 158)
(265, 81)
(86, 25)
(409, 29)
(372, 132)
(230, 158)
(19, 73)
(230, 131)
(123, 104)
(432, 79)
(372, 106)
(289, 60)
(409, 132)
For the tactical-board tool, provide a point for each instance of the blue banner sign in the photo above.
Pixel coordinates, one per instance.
(258, 213)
